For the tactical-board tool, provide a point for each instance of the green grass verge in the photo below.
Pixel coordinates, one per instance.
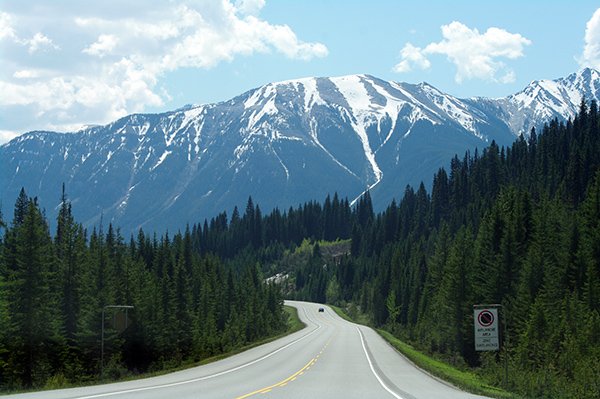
(341, 313)
(465, 380)
(294, 322)
(360, 318)
(462, 379)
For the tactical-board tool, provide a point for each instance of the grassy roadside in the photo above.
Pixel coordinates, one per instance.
(464, 380)
(294, 325)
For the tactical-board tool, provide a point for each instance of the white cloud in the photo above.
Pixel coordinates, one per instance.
(6, 29)
(411, 55)
(7, 135)
(104, 45)
(40, 42)
(205, 42)
(111, 63)
(475, 55)
(135, 27)
(249, 7)
(591, 49)
(27, 74)
(57, 93)
(284, 40)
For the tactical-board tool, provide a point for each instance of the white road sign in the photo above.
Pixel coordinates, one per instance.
(486, 329)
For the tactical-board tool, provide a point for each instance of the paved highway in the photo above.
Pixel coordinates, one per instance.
(330, 358)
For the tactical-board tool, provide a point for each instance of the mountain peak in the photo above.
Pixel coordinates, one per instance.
(587, 73)
(586, 81)
(545, 99)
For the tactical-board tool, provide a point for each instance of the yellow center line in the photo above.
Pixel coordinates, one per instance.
(289, 379)
(281, 383)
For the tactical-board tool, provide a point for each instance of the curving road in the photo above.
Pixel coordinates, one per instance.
(331, 358)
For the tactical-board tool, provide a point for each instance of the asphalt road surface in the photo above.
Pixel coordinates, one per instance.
(330, 358)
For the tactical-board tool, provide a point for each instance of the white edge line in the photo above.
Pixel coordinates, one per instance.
(362, 341)
(100, 395)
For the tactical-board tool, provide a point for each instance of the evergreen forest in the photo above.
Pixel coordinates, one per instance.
(55, 290)
(516, 226)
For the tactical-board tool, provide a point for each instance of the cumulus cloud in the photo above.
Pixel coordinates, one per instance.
(206, 42)
(411, 55)
(6, 29)
(591, 49)
(285, 41)
(40, 42)
(249, 7)
(7, 135)
(104, 45)
(26, 74)
(112, 63)
(476, 55)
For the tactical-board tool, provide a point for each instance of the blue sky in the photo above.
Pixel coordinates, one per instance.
(66, 64)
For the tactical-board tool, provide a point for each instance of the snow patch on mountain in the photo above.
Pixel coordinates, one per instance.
(357, 97)
(355, 93)
(453, 108)
(192, 115)
(161, 159)
(315, 138)
(311, 94)
(545, 99)
(266, 95)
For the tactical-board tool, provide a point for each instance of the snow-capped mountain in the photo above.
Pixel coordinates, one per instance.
(543, 100)
(283, 144)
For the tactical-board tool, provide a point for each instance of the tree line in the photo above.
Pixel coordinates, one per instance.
(53, 290)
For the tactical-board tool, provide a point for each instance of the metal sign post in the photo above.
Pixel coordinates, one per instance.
(102, 338)
(487, 331)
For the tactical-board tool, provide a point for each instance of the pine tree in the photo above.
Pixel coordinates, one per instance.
(32, 319)
(440, 197)
(21, 208)
(70, 246)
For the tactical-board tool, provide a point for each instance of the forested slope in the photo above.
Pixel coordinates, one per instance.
(186, 307)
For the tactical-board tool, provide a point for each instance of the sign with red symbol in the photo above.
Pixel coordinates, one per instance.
(486, 328)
